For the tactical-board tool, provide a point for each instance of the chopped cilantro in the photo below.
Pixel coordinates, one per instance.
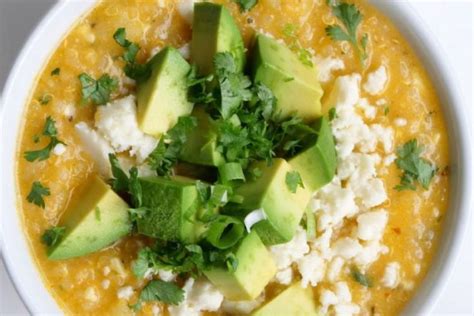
(45, 99)
(332, 114)
(97, 91)
(386, 110)
(166, 153)
(350, 17)
(361, 278)
(166, 292)
(246, 5)
(53, 235)
(38, 191)
(414, 167)
(134, 70)
(293, 180)
(304, 55)
(50, 131)
(130, 187)
(56, 72)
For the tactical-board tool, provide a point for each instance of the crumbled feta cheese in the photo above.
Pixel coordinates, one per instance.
(166, 275)
(59, 149)
(200, 295)
(326, 66)
(117, 122)
(371, 192)
(337, 202)
(371, 225)
(284, 276)
(400, 121)
(370, 111)
(343, 293)
(327, 298)
(334, 269)
(322, 244)
(346, 247)
(312, 269)
(156, 310)
(376, 81)
(241, 307)
(69, 111)
(125, 292)
(185, 51)
(384, 135)
(346, 309)
(369, 253)
(345, 92)
(388, 160)
(285, 254)
(96, 146)
(391, 275)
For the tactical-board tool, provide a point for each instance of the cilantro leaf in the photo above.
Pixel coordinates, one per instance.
(120, 181)
(49, 130)
(350, 18)
(45, 99)
(361, 278)
(166, 153)
(414, 167)
(166, 292)
(293, 180)
(134, 70)
(56, 71)
(97, 91)
(246, 5)
(38, 191)
(53, 235)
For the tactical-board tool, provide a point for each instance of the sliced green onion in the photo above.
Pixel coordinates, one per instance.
(225, 231)
(231, 171)
(310, 223)
(253, 218)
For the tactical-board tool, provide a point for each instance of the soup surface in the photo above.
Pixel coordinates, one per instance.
(385, 272)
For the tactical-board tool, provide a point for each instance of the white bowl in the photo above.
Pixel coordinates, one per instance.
(55, 25)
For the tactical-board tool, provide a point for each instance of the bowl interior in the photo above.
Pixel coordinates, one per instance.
(55, 25)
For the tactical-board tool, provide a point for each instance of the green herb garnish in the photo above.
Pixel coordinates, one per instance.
(45, 99)
(246, 5)
(304, 55)
(361, 278)
(293, 180)
(98, 91)
(158, 290)
(332, 114)
(38, 191)
(56, 72)
(414, 167)
(53, 235)
(50, 131)
(350, 18)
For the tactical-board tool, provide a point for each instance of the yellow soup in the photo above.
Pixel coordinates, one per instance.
(408, 106)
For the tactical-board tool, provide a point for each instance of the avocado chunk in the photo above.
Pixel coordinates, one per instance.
(171, 206)
(294, 300)
(214, 31)
(201, 145)
(162, 99)
(270, 192)
(317, 163)
(254, 271)
(294, 84)
(95, 219)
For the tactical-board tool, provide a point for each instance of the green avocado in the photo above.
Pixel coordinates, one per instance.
(200, 147)
(317, 163)
(95, 219)
(172, 204)
(214, 31)
(254, 271)
(162, 99)
(294, 84)
(283, 208)
(294, 301)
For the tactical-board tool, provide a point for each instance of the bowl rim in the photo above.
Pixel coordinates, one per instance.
(402, 15)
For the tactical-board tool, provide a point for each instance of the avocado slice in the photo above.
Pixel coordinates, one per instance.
(254, 271)
(215, 31)
(162, 99)
(172, 205)
(294, 300)
(283, 208)
(95, 219)
(201, 145)
(317, 163)
(294, 84)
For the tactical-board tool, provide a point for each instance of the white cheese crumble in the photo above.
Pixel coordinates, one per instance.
(59, 149)
(166, 275)
(117, 122)
(242, 307)
(284, 276)
(91, 294)
(96, 146)
(285, 254)
(186, 10)
(376, 81)
(346, 247)
(391, 275)
(371, 225)
(125, 292)
(334, 269)
(312, 269)
(326, 66)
